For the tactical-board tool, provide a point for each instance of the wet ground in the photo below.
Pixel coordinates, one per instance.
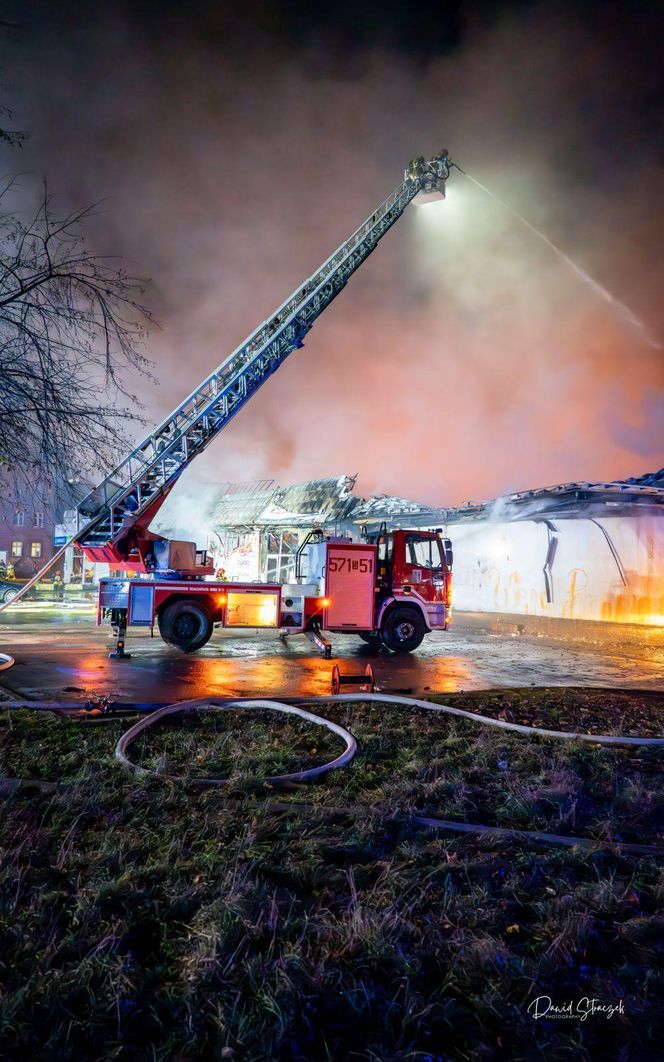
(60, 653)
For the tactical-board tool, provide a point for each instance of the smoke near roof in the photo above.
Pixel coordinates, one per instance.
(464, 360)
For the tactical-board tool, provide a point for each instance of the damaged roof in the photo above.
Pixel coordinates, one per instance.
(323, 502)
(264, 504)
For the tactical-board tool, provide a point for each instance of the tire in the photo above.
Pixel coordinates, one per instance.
(185, 625)
(369, 637)
(9, 595)
(403, 629)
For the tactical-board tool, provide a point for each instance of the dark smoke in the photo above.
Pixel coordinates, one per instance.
(463, 360)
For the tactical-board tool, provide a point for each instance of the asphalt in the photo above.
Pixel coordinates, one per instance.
(60, 654)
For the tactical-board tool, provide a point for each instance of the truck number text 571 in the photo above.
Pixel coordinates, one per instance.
(351, 564)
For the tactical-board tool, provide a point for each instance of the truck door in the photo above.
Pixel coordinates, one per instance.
(423, 574)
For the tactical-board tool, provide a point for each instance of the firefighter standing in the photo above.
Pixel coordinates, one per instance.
(58, 587)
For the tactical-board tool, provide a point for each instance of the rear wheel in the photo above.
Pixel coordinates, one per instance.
(403, 629)
(185, 625)
(9, 595)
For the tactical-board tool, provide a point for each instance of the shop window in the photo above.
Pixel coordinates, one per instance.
(282, 547)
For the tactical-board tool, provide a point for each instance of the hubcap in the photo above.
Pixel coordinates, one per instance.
(186, 625)
(405, 631)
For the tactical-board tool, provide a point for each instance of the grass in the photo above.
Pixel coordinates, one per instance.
(140, 920)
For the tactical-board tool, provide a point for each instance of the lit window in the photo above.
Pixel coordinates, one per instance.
(36, 550)
(17, 549)
(38, 520)
(19, 518)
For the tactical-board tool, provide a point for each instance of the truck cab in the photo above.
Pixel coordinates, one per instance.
(413, 586)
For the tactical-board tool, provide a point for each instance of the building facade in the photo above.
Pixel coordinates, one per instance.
(27, 530)
(590, 551)
(32, 529)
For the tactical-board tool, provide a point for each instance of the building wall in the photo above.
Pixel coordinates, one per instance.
(26, 536)
(498, 567)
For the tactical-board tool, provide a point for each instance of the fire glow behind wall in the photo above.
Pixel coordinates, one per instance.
(499, 567)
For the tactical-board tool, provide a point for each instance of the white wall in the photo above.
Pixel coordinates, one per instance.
(498, 567)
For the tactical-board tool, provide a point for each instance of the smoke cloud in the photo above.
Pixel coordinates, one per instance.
(463, 360)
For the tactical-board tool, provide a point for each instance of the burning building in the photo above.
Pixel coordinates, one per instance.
(591, 551)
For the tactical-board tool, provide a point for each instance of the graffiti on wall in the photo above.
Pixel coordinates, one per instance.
(593, 569)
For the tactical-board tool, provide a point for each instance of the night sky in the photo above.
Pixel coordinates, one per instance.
(237, 145)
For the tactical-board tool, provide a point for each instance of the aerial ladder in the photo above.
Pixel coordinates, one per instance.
(113, 518)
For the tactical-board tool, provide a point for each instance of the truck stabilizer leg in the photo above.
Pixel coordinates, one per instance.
(320, 642)
(119, 652)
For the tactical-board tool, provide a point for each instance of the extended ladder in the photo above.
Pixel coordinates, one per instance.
(133, 491)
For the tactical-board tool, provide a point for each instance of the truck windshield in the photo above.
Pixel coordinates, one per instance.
(423, 552)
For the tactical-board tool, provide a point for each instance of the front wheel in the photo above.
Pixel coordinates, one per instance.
(403, 629)
(370, 637)
(185, 625)
(9, 595)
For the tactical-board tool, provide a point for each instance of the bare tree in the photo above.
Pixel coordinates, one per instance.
(72, 325)
(12, 137)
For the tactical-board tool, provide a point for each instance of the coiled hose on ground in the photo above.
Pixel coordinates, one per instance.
(221, 704)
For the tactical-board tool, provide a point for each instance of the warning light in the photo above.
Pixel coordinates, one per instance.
(221, 598)
(326, 602)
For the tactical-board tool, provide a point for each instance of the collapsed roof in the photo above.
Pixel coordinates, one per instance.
(328, 502)
(262, 503)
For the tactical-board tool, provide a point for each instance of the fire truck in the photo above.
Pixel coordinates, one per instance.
(390, 589)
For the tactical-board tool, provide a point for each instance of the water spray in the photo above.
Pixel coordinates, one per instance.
(623, 311)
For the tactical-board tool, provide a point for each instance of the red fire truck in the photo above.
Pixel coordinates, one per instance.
(390, 591)
(392, 588)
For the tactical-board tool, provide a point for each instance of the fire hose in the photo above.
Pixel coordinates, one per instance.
(220, 704)
(292, 807)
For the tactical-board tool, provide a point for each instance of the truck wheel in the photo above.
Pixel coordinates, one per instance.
(370, 637)
(403, 629)
(186, 625)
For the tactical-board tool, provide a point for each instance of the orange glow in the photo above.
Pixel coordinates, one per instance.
(641, 601)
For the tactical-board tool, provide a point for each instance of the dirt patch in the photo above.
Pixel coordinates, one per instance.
(632, 713)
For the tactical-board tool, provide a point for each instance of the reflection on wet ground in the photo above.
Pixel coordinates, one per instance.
(60, 654)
